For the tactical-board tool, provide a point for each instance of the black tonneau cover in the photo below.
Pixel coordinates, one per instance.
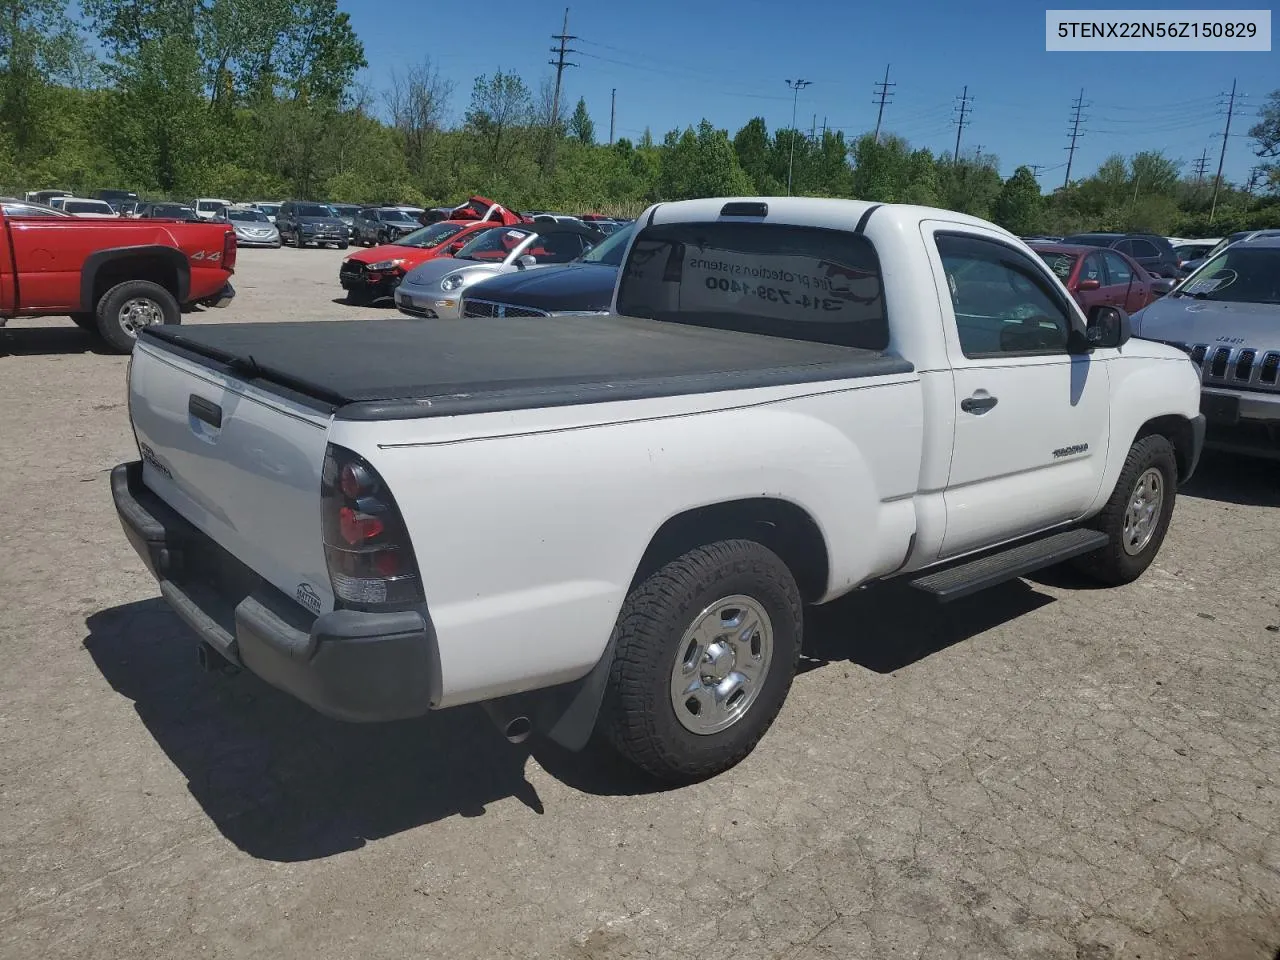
(399, 368)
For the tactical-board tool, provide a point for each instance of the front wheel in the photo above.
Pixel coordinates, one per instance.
(342, 245)
(298, 241)
(704, 653)
(128, 307)
(1137, 516)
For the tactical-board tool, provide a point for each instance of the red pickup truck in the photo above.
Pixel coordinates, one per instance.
(112, 276)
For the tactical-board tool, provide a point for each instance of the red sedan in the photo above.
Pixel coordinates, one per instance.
(1099, 276)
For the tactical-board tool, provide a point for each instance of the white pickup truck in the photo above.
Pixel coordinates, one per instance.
(614, 523)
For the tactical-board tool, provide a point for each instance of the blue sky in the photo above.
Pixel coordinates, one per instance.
(673, 63)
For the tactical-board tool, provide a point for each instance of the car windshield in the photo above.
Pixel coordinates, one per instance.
(210, 206)
(428, 238)
(609, 251)
(172, 212)
(87, 206)
(495, 243)
(1240, 274)
(248, 216)
(343, 209)
(313, 210)
(270, 209)
(395, 216)
(1060, 263)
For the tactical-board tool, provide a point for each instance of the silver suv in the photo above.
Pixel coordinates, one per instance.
(1226, 315)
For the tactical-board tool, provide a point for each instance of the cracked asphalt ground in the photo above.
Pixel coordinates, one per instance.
(1044, 771)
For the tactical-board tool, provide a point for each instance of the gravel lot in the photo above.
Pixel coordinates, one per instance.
(1042, 771)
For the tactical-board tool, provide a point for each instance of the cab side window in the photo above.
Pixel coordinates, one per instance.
(1003, 303)
(1091, 269)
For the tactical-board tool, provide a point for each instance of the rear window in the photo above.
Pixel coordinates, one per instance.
(87, 206)
(801, 283)
(210, 206)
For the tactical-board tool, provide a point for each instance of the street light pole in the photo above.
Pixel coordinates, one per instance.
(797, 86)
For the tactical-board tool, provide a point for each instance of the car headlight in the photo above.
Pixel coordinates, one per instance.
(385, 265)
(452, 282)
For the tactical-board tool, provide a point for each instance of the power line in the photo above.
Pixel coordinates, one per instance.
(1077, 107)
(961, 123)
(883, 93)
(560, 63)
(1222, 157)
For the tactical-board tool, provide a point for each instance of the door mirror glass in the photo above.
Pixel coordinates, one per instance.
(1087, 285)
(527, 261)
(1109, 327)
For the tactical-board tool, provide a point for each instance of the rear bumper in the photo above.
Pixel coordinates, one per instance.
(347, 664)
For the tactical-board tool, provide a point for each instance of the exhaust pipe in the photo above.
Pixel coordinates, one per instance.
(518, 730)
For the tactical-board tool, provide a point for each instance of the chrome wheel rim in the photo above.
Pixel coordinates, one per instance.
(721, 664)
(138, 313)
(1142, 516)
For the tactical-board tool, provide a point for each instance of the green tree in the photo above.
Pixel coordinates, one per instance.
(581, 126)
(1018, 205)
(500, 105)
(39, 47)
(754, 152)
(701, 164)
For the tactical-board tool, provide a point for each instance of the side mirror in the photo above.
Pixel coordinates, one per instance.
(526, 261)
(1109, 327)
(1086, 285)
(456, 246)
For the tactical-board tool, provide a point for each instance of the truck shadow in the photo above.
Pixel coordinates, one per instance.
(283, 783)
(49, 341)
(280, 781)
(1229, 478)
(888, 626)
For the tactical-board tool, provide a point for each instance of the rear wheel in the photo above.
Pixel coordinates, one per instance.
(704, 653)
(1137, 516)
(129, 307)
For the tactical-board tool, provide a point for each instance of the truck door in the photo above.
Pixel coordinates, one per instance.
(1031, 420)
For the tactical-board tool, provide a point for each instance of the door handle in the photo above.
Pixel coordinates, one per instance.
(977, 405)
(205, 410)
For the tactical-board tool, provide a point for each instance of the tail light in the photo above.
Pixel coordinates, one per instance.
(366, 545)
(229, 250)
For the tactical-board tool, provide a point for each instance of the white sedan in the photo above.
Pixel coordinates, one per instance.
(434, 290)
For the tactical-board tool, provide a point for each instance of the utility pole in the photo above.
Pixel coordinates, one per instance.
(560, 63)
(961, 123)
(613, 104)
(1254, 174)
(1222, 157)
(883, 95)
(824, 129)
(977, 160)
(1035, 169)
(797, 86)
(1075, 135)
(813, 128)
(1201, 166)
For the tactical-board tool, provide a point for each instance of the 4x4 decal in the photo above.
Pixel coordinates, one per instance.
(213, 256)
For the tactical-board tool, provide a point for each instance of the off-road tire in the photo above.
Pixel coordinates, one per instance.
(1111, 564)
(109, 323)
(637, 717)
(343, 245)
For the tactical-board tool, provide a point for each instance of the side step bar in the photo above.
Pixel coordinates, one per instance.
(1008, 564)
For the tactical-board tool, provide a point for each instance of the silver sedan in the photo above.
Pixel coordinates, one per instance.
(253, 227)
(435, 289)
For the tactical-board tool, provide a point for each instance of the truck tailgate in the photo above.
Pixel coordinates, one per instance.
(241, 465)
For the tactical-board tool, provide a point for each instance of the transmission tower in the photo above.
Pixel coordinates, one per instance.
(1201, 166)
(560, 63)
(962, 121)
(883, 96)
(1222, 157)
(1076, 119)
